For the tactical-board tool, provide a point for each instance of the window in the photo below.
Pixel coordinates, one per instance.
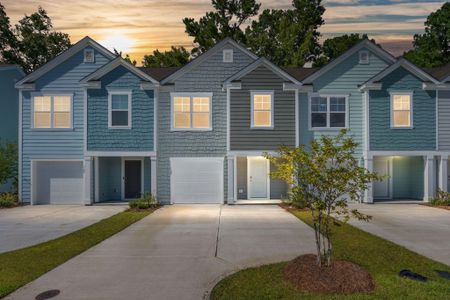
(191, 111)
(401, 110)
(120, 109)
(228, 55)
(328, 111)
(262, 109)
(52, 112)
(89, 55)
(363, 57)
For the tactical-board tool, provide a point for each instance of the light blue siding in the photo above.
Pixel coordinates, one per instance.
(56, 144)
(140, 136)
(407, 177)
(423, 134)
(344, 79)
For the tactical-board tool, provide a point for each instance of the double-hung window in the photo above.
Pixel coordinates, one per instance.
(119, 109)
(328, 111)
(52, 111)
(262, 109)
(401, 110)
(191, 111)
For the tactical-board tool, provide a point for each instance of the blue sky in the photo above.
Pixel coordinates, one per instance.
(140, 26)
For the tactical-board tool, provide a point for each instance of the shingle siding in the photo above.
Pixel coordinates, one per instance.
(423, 134)
(444, 120)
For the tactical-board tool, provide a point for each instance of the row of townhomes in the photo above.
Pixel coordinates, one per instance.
(93, 128)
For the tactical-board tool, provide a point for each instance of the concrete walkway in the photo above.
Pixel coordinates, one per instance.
(422, 229)
(179, 252)
(30, 225)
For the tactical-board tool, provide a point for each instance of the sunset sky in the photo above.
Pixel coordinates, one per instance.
(139, 26)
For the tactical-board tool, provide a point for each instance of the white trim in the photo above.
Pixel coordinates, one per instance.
(226, 52)
(141, 159)
(120, 153)
(85, 115)
(366, 121)
(19, 183)
(297, 119)
(228, 117)
(405, 153)
(52, 96)
(252, 152)
(433, 86)
(272, 106)
(362, 61)
(328, 112)
(437, 120)
(93, 56)
(191, 97)
(153, 176)
(235, 179)
(111, 93)
(155, 119)
(411, 114)
(249, 158)
(87, 177)
(96, 179)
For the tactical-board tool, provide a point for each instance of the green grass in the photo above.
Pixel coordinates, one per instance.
(381, 258)
(19, 267)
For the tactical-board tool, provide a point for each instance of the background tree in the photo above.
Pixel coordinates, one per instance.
(432, 48)
(8, 164)
(175, 57)
(32, 42)
(224, 21)
(126, 57)
(334, 47)
(323, 176)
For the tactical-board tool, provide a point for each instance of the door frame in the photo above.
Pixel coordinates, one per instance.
(122, 175)
(390, 181)
(249, 158)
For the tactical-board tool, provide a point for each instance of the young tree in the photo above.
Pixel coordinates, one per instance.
(323, 176)
(432, 48)
(175, 57)
(8, 164)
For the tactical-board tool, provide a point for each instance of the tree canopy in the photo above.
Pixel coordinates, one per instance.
(175, 57)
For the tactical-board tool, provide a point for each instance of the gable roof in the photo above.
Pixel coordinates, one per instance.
(118, 61)
(159, 73)
(262, 62)
(441, 73)
(363, 44)
(300, 73)
(63, 57)
(195, 62)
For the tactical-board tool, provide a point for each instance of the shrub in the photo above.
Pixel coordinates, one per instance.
(145, 202)
(442, 198)
(8, 200)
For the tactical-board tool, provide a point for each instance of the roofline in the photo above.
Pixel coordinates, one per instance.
(257, 63)
(63, 57)
(364, 43)
(118, 61)
(196, 61)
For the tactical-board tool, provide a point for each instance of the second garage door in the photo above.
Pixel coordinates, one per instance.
(197, 180)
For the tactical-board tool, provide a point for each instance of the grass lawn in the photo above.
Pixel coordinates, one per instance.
(383, 259)
(19, 267)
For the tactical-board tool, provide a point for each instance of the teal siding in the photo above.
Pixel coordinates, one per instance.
(423, 134)
(56, 144)
(140, 136)
(407, 177)
(344, 79)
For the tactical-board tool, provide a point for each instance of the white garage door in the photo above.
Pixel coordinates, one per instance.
(197, 180)
(58, 182)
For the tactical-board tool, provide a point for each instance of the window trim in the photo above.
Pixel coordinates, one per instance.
(51, 95)
(93, 56)
(361, 61)
(191, 97)
(225, 52)
(128, 93)
(272, 100)
(328, 96)
(411, 108)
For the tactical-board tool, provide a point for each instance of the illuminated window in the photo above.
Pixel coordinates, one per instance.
(191, 111)
(401, 110)
(262, 109)
(52, 112)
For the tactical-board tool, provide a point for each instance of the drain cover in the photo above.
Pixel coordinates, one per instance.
(47, 294)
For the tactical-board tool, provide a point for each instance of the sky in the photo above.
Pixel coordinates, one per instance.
(138, 27)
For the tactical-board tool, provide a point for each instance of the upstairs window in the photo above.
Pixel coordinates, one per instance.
(53, 111)
(328, 111)
(191, 111)
(262, 109)
(228, 55)
(401, 110)
(120, 109)
(89, 56)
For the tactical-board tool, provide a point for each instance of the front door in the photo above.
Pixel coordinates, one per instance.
(132, 179)
(258, 172)
(381, 188)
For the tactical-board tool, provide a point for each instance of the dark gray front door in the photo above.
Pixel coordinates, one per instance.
(133, 179)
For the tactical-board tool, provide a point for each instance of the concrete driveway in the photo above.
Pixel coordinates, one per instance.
(179, 252)
(29, 225)
(422, 229)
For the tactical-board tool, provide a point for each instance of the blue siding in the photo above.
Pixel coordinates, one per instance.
(344, 79)
(423, 134)
(140, 136)
(56, 144)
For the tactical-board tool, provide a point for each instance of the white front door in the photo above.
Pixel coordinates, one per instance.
(381, 189)
(258, 178)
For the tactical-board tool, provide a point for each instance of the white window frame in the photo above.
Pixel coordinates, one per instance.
(364, 61)
(52, 111)
(110, 110)
(411, 106)
(272, 100)
(227, 52)
(328, 112)
(191, 111)
(93, 56)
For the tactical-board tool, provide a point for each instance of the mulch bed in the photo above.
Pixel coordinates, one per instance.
(342, 277)
(447, 207)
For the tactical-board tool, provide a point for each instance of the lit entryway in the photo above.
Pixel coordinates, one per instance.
(382, 188)
(258, 177)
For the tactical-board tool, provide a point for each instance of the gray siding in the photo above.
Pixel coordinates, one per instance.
(208, 76)
(444, 120)
(242, 136)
